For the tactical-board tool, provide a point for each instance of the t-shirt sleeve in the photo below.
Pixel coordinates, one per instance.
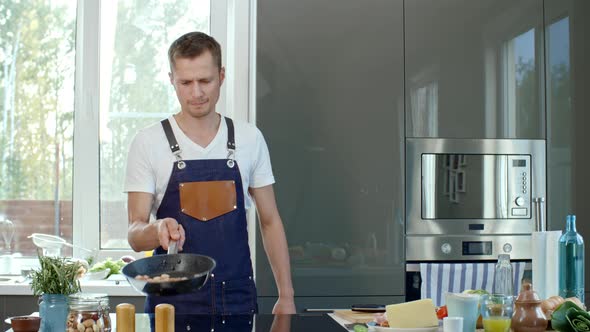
(261, 174)
(139, 176)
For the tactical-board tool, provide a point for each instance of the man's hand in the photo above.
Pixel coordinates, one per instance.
(170, 229)
(284, 305)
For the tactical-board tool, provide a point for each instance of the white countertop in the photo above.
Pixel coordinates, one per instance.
(115, 285)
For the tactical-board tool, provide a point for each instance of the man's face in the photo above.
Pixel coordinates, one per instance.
(197, 82)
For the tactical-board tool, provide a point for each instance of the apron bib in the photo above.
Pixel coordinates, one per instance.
(206, 197)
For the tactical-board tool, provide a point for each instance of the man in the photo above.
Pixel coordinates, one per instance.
(198, 172)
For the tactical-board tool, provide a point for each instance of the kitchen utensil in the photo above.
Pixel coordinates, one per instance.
(51, 244)
(196, 268)
(7, 231)
(355, 316)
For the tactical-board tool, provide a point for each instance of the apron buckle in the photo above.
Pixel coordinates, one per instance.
(230, 156)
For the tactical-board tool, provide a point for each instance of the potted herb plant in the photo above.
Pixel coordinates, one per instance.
(54, 281)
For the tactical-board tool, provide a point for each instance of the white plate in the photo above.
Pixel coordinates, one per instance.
(399, 329)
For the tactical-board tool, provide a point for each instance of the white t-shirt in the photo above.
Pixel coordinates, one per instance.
(150, 160)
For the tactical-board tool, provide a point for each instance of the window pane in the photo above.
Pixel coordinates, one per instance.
(37, 60)
(135, 90)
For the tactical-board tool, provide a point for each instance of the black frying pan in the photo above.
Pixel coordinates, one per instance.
(192, 266)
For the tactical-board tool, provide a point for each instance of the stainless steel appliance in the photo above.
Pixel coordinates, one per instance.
(472, 199)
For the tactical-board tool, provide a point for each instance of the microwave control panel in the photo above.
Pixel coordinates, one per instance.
(519, 186)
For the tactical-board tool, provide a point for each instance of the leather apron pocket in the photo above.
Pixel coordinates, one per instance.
(205, 200)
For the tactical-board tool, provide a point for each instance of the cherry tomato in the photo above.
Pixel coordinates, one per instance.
(442, 312)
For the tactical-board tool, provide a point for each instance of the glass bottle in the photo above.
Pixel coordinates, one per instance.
(571, 261)
(89, 311)
(53, 310)
(503, 278)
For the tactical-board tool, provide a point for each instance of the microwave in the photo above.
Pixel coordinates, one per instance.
(469, 190)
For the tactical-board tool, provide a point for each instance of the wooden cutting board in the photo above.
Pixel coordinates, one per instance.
(354, 316)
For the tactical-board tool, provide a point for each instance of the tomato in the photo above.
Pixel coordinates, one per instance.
(442, 312)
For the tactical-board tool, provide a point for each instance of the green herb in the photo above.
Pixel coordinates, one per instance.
(56, 276)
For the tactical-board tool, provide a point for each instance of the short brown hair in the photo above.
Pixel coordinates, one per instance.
(193, 44)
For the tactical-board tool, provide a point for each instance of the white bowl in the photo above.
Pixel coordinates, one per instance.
(98, 275)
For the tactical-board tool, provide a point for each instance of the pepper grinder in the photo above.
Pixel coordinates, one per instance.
(164, 318)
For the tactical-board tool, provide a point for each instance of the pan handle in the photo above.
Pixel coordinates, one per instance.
(172, 247)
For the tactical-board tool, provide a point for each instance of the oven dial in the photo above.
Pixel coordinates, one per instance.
(507, 248)
(446, 248)
(519, 200)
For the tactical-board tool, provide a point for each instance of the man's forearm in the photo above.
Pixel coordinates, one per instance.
(275, 245)
(143, 236)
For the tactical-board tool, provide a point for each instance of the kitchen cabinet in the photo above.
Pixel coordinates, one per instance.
(329, 100)
(474, 69)
(568, 77)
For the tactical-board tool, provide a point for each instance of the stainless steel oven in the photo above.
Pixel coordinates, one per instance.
(471, 199)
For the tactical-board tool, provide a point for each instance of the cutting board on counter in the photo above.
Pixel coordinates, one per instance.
(354, 316)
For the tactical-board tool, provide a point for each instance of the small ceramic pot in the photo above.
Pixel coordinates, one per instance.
(528, 316)
(25, 323)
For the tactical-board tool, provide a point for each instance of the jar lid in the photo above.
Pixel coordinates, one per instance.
(88, 301)
(527, 294)
(89, 296)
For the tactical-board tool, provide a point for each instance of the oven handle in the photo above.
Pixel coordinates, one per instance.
(539, 206)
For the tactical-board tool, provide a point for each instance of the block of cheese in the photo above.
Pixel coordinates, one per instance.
(421, 313)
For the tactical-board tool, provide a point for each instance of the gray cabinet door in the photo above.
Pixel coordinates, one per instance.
(330, 105)
(568, 101)
(474, 69)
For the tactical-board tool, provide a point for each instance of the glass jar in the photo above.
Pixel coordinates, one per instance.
(88, 311)
(53, 310)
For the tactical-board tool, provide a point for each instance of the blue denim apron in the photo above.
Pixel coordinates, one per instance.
(230, 289)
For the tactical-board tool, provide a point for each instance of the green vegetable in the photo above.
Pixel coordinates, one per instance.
(114, 266)
(568, 317)
(579, 320)
(360, 328)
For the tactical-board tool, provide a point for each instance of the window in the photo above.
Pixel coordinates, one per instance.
(37, 62)
(134, 89)
(62, 174)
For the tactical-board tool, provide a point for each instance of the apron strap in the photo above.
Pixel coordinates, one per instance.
(170, 136)
(231, 144)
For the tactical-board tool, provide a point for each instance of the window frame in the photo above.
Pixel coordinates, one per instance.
(230, 24)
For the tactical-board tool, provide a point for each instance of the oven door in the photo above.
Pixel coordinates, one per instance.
(473, 186)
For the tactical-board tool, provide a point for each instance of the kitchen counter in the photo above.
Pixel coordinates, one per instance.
(238, 323)
(115, 285)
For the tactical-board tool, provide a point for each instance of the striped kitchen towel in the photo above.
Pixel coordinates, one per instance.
(439, 278)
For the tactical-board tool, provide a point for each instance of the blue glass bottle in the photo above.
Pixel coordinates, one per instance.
(571, 261)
